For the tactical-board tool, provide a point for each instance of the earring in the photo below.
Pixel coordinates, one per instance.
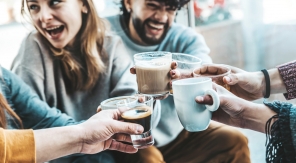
(85, 11)
(128, 10)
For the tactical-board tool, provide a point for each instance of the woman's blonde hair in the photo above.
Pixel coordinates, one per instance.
(83, 71)
(5, 108)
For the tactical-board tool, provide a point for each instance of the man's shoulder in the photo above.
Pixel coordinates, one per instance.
(181, 33)
(182, 30)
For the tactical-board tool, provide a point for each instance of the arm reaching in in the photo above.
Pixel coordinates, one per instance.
(251, 85)
(101, 132)
(238, 112)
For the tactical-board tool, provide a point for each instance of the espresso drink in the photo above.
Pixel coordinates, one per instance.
(153, 77)
(140, 115)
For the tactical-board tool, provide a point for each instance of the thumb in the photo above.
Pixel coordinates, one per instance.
(231, 79)
(127, 128)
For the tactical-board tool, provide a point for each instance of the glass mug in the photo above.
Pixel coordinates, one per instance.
(214, 71)
(186, 64)
(140, 113)
(153, 70)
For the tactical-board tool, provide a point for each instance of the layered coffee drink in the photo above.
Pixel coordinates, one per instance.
(153, 77)
(140, 115)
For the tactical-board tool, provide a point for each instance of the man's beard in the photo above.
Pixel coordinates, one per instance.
(140, 29)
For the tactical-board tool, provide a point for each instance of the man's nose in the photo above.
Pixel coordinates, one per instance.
(161, 15)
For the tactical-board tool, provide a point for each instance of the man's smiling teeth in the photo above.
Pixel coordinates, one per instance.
(53, 28)
(156, 26)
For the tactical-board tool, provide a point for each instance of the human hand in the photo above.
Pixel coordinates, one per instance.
(246, 85)
(105, 131)
(231, 110)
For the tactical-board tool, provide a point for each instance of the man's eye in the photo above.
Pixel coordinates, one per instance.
(152, 5)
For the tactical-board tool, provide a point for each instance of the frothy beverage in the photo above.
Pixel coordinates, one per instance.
(153, 77)
(140, 115)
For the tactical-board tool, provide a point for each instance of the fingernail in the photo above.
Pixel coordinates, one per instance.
(227, 79)
(173, 72)
(199, 99)
(138, 129)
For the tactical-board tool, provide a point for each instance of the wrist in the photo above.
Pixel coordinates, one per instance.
(256, 116)
(79, 139)
(276, 83)
(262, 83)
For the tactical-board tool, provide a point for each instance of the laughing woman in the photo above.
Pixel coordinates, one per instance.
(71, 62)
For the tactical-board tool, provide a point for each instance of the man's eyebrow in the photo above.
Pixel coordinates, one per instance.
(31, 0)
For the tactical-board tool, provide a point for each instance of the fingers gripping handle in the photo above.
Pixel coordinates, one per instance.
(216, 100)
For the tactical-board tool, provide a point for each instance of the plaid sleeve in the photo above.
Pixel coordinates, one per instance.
(288, 74)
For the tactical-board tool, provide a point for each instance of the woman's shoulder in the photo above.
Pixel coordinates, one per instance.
(112, 42)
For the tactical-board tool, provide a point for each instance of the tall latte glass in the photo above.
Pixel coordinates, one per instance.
(140, 113)
(153, 72)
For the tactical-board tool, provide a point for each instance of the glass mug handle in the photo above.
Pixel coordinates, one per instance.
(216, 100)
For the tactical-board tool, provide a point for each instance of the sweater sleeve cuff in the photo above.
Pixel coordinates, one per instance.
(288, 74)
(20, 146)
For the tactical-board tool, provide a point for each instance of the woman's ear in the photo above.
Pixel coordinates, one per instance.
(127, 4)
(84, 8)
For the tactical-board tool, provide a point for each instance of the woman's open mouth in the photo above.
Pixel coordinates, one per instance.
(55, 32)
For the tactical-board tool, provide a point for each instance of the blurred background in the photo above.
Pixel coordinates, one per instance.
(249, 34)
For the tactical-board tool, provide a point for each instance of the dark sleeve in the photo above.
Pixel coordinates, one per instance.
(281, 135)
(288, 74)
(33, 112)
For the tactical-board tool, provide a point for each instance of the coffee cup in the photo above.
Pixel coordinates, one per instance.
(140, 113)
(111, 103)
(214, 71)
(193, 116)
(186, 64)
(153, 72)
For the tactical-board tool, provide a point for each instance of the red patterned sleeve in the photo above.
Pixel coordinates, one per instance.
(288, 74)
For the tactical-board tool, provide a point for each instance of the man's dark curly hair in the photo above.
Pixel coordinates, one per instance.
(173, 4)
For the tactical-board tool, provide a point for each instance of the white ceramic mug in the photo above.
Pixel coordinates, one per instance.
(193, 116)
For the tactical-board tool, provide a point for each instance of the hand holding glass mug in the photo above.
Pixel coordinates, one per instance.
(139, 113)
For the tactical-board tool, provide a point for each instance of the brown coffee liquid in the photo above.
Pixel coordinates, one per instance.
(140, 115)
(153, 79)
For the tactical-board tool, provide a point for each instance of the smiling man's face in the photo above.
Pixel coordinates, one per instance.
(149, 21)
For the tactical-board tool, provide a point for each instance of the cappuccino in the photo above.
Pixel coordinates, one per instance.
(153, 77)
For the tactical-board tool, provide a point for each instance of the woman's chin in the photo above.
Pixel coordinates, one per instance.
(58, 45)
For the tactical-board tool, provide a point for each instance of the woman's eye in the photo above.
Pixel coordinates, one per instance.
(33, 7)
(54, 2)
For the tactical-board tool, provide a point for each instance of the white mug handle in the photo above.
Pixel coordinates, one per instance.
(216, 100)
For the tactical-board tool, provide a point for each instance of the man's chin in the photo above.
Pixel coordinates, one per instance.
(152, 41)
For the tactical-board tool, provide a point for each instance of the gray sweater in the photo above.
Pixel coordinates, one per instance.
(179, 39)
(36, 65)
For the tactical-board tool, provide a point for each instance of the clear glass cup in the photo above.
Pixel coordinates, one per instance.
(153, 70)
(186, 64)
(140, 113)
(214, 71)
